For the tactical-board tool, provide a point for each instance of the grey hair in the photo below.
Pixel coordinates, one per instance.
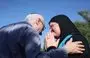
(28, 17)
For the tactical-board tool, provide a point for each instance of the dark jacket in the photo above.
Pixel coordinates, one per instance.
(19, 40)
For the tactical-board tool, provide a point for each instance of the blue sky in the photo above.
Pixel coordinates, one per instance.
(15, 10)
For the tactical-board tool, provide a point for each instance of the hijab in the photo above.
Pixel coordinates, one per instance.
(65, 24)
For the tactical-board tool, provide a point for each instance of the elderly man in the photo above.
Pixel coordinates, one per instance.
(21, 40)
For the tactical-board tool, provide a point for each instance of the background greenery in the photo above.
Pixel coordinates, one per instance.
(84, 27)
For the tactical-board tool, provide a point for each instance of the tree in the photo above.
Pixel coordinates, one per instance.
(84, 28)
(85, 14)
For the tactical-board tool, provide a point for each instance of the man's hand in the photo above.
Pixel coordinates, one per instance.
(50, 40)
(74, 47)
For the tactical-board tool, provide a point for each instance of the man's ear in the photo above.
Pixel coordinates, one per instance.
(37, 21)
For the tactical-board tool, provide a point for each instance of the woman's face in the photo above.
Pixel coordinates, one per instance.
(55, 29)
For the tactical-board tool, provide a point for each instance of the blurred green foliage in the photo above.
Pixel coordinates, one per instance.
(84, 27)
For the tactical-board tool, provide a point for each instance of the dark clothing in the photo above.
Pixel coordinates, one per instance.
(67, 28)
(78, 37)
(20, 40)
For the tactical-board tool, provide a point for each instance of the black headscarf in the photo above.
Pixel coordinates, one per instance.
(65, 24)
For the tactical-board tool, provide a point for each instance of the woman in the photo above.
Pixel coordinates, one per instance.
(66, 31)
